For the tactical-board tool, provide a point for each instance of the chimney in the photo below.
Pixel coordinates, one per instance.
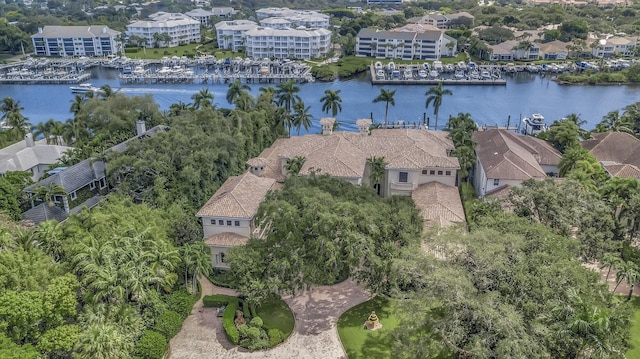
(39, 30)
(28, 138)
(257, 166)
(141, 128)
(327, 125)
(363, 126)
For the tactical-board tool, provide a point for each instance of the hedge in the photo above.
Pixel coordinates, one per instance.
(168, 324)
(180, 302)
(151, 345)
(217, 300)
(276, 336)
(245, 311)
(228, 322)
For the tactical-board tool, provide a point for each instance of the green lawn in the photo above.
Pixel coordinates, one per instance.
(158, 53)
(635, 331)
(362, 343)
(275, 313)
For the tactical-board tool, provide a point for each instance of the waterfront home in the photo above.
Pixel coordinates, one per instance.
(444, 21)
(507, 159)
(308, 18)
(413, 162)
(613, 46)
(82, 184)
(618, 152)
(412, 41)
(200, 15)
(554, 50)
(30, 155)
(180, 28)
(265, 42)
(514, 50)
(95, 40)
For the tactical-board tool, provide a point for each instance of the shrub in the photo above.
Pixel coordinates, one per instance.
(245, 311)
(180, 302)
(228, 324)
(276, 336)
(252, 308)
(217, 300)
(151, 345)
(168, 324)
(256, 322)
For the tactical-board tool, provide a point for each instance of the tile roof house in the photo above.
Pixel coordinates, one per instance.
(618, 152)
(30, 155)
(507, 158)
(83, 183)
(416, 161)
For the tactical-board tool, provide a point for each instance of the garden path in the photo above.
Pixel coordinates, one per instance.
(315, 334)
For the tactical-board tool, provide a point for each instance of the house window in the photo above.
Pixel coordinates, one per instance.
(103, 183)
(222, 255)
(448, 173)
(237, 223)
(92, 185)
(220, 222)
(403, 177)
(496, 182)
(439, 173)
(213, 222)
(432, 172)
(73, 196)
(228, 223)
(424, 172)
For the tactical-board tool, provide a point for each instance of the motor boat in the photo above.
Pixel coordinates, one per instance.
(84, 88)
(533, 125)
(378, 65)
(422, 74)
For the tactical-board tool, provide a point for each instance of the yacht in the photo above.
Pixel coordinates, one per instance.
(422, 74)
(378, 65)
(84, 88)
(533, 125)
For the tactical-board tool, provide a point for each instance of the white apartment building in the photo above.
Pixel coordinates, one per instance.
(264, 42)
(422, 43)
(200, 15)
(181, 28)
(618, 45)
(230, 34)
(307, 18)
(97, 40)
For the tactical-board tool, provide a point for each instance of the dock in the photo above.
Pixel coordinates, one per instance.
(408, 75)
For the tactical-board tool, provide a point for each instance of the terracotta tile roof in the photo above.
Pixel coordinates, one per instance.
(226, 239)
(238, 197)
(619, 147)
(623, 171)
(439, 204)
(344, 154)
(507, 155)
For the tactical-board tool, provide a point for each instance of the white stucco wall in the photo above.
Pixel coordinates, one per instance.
(244, 229)
(216, 257)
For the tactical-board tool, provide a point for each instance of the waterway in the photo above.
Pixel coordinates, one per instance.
(523, 95)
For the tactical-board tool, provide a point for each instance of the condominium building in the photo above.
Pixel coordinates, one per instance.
(307, 18)
(264, 42)
(412, 41)
(230, 34)
(181, 29)
(97, 40)
(442, 21)
(200, 15)
(617, 45)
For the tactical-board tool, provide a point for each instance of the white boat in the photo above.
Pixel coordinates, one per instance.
(391, 66)
(433, 74)
(408, 73)
(426, 66)
(459, 75)
(485, 75)
(380, 74)
(533, 125)
(378, 65)
(449, 68)
(437, 65)
(83, 88)
(422, 74)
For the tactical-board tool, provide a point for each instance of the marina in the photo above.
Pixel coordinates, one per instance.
(435, 73)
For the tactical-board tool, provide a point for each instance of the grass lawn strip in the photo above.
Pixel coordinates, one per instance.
(362, 343)
(635, 331)
(276, 314)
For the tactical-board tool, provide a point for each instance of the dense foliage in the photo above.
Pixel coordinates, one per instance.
(321, 230)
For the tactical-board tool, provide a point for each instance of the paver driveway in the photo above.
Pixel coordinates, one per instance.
(315, 334)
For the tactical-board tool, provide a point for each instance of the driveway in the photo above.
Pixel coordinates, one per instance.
(315, 334)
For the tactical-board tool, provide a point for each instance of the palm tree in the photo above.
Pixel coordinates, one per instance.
(202, 99)
(102, 341)
(197, 260)
(49, 193)
(301, 117)
(77, 104)
(331, 101)
(609, 260)
(106, 91)
(267, 94)
(376, 169)
(14, 118)
(628, 272)
(387, 97)
(244, 101)
(286, 94)
(435, 95)
(177, 108)
(294, 165)
(615, 122)
(236, 88)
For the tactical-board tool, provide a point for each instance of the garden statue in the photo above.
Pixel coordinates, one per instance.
(373, 323)
(239, 320)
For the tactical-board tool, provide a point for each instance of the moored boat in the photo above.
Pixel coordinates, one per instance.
(84, 88)
(533, 125)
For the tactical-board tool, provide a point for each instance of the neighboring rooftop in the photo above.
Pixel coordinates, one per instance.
(75, 31)
(239, 197)
(439, 204)
(617, 147)
(511, 156)
(26, 154)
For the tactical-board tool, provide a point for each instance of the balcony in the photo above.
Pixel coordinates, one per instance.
(402, 186)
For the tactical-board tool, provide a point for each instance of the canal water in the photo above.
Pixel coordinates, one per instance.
(523, 95)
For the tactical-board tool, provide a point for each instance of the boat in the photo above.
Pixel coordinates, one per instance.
(426, 66)
(533, 125)
(485, 75)
(408, 73)
(380, 74)
(422, 74)
(395, 74)
(391, 66)
(378, 65)
(84, 88)
(437, 65)
(433, 74)
(459, 75)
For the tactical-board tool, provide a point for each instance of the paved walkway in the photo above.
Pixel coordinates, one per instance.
(314, 336)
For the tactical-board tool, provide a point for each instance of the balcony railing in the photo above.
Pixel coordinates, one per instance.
(403, 186)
